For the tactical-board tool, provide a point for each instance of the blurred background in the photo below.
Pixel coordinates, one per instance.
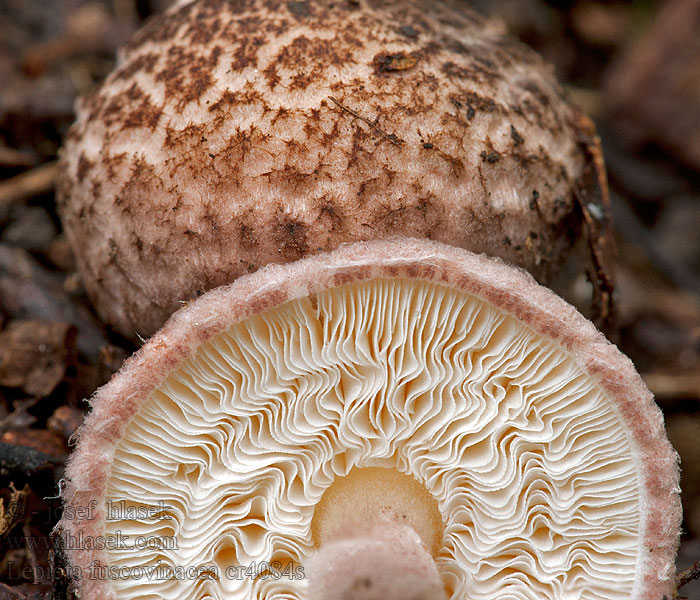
(634, 66)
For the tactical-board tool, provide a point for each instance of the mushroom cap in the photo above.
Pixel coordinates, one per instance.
(237, 134)
(538, 441)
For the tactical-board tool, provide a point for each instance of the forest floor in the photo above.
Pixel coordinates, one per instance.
(54, 351)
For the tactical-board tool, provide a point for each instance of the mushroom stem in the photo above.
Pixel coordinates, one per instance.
(379, 560)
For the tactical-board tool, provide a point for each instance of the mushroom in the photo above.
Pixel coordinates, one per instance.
(279, 434)
(236, 134)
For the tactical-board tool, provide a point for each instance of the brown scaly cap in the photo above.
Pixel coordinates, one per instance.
(238, 133)
(509, 290)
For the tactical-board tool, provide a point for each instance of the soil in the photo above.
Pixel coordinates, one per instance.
(54, 351)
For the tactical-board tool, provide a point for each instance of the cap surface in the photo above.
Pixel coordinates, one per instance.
(539, 442)
(237, 134)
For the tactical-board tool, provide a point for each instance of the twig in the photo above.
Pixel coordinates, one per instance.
(9, 593)
(28, 184)
(690, 574)
(11, 157)
(19, 417)
(389, 136)
(673, 386)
